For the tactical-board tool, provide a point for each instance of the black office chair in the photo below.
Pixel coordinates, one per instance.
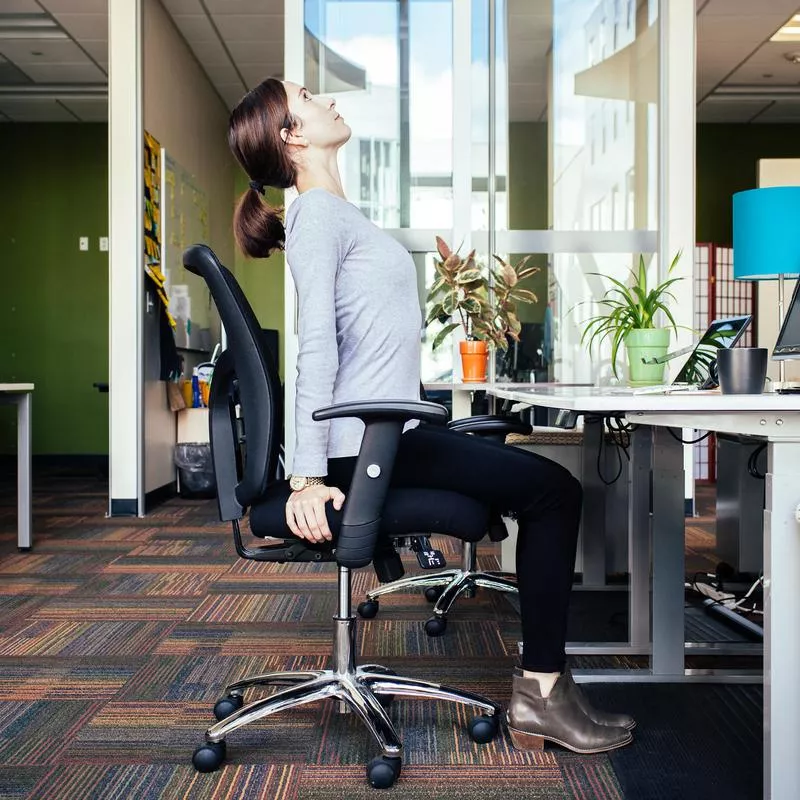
(443, 588)
(245, 404)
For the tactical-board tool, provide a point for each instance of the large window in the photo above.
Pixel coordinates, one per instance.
(581, 142)
(560, 123)
(389, 64)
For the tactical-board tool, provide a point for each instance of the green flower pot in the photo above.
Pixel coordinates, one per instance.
(646, 343)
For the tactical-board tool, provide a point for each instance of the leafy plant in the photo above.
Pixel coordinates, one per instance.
(629, 308)
(462, 292)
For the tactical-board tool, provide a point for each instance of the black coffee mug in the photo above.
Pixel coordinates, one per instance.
(742, 370)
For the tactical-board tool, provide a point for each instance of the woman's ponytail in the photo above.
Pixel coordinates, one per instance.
(254, 136)
(257, 226)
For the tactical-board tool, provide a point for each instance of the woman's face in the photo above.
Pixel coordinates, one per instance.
(320, 124)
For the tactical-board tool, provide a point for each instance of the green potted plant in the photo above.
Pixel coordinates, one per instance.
(488, 316)
(630, 317)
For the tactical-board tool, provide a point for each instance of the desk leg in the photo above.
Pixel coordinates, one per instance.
(462, 403)
(24, 501)
(593, 536)
(641, 453)
(668, 555)
(782, 623)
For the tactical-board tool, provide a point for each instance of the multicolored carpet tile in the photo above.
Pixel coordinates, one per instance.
(118, 635)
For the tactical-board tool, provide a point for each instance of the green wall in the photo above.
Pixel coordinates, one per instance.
(727, 157)
(54, 320)
(262, 280)
(527, 198)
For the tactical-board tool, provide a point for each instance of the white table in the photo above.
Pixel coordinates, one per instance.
(462, 392)
(20, 394)
(773, 418)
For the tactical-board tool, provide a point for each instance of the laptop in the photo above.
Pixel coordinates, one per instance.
(699, 371)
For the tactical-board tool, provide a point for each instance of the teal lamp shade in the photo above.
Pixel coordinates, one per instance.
(766, 233)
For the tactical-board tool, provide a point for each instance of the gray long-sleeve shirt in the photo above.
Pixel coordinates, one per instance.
(359, 322)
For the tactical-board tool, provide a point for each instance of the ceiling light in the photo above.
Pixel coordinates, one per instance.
(757, 91)
(30, 26)
(793, 57)
(789, 32)
(56, 91)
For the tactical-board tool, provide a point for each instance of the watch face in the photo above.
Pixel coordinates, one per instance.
(297, 482)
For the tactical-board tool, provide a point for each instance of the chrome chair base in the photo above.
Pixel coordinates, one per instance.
(358, 689)
(452, 582)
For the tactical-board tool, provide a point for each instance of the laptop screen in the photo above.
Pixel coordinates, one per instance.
(788, 344)
(721, 333)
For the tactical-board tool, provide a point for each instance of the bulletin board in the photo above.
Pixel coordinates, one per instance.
(152, 201)
(184, 220)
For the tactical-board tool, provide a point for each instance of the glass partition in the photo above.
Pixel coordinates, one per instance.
(575, 152)
(389, 65)
(562, 128)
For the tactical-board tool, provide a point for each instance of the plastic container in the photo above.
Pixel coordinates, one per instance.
(197, 401)
(186, 390)
(195, 469)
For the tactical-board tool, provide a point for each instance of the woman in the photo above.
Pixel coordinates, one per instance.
(359, 332)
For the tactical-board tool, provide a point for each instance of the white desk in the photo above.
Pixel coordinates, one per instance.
(773, 418)
(462, 393)
(20, 395)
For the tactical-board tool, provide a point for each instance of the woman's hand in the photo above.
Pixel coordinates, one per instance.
(305, 512)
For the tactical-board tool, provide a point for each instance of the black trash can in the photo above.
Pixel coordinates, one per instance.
(195, 471)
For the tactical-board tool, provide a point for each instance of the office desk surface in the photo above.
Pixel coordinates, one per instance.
(21, 394)
(16, 388)
(578, 398)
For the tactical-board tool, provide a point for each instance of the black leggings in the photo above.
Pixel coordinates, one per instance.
(545, 498)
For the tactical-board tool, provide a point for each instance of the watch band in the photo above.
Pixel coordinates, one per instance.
(300, 482)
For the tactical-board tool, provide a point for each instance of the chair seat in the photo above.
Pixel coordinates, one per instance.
(407, 511)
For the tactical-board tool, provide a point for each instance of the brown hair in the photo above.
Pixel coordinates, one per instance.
(254, 136)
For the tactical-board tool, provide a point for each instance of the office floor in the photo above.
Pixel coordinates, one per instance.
(116, 637)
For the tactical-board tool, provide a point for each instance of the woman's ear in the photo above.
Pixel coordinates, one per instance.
(289, 137)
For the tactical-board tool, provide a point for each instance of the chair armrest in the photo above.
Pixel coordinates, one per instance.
(402, 410)
(383, 421)
(490, 424)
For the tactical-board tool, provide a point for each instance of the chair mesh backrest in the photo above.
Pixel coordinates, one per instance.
(259, 389)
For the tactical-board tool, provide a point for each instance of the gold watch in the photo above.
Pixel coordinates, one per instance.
(300, 482)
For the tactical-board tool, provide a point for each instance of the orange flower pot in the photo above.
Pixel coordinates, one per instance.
(474, 356)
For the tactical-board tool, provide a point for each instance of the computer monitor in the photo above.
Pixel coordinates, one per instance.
(721, 333)
(788, 344)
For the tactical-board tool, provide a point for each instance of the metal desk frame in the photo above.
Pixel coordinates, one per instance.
(656, 537)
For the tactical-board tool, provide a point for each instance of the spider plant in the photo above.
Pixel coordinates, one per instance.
(631, 307)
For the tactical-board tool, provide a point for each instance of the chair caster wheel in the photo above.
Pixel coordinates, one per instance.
(433, 593)
(226, 706)
(367, 609)
(436, 626)
(383, 771)
(209, 756)
(483, 729)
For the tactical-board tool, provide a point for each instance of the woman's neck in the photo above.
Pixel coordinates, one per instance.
(320, 173)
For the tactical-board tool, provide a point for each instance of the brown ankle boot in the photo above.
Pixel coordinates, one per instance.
(600, 717)
(558, 718)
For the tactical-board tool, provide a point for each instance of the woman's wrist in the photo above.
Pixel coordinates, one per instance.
(300, 482)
